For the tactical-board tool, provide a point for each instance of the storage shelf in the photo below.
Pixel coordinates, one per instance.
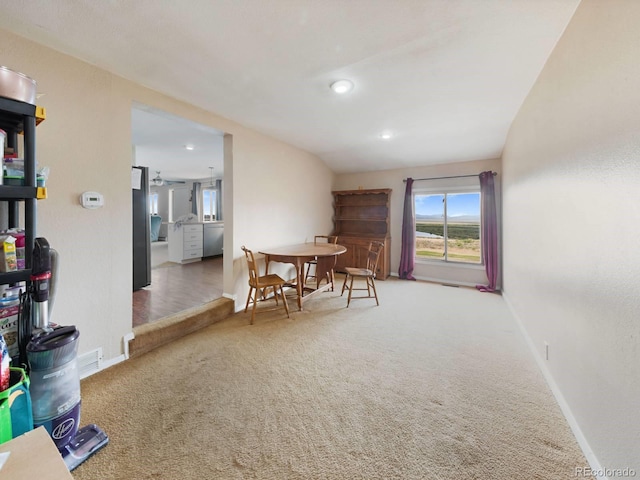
(360, 219)
(361, 216)
(20, 118)
(368, 192)
(371, 235)
(15, 277)
(12, 113)
(10, 192)
(381, 203)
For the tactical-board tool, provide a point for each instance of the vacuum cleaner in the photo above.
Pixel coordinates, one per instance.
(51, 355)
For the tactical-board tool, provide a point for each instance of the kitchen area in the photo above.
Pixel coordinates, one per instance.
(190, 242)
(186, 220)
(186, 260)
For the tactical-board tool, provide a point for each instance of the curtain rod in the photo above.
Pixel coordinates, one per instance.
(440, 178)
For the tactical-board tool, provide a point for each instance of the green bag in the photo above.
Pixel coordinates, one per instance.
(16, 416)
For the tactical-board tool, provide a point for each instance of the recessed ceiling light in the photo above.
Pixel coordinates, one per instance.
(342, 86)
(386, 135)
(189, 147)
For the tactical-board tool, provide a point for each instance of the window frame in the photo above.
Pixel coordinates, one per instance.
(171, 194)
(153, 203)
(444, 191)
(213, 203)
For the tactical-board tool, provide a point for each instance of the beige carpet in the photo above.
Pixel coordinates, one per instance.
(436, 383)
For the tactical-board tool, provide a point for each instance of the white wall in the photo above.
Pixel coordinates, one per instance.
(434, 271)
(86, 141)
(571, 178)
(282, 197)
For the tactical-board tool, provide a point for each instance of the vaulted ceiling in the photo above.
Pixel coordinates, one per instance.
(445, 78)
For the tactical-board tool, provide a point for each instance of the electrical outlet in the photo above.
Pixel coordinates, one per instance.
(546, 351)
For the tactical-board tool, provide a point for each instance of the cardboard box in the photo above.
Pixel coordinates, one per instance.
(33, 455)
(8, 258)
(9, 326)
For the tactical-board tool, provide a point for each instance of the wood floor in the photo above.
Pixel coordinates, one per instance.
(176, 287)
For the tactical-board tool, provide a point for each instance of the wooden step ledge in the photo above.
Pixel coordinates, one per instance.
(155, 334)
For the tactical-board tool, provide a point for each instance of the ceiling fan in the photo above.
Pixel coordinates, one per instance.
(158, 181)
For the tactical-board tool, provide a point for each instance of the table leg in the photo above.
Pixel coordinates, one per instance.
(300, 281)
(324, 269)
(266, 272)
(326, 265)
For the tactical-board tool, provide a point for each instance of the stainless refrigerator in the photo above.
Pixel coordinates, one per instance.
(141, 227)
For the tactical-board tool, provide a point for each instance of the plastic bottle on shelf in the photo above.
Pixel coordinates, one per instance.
(20, 249)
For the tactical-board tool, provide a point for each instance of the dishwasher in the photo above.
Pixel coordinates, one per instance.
(213, 237)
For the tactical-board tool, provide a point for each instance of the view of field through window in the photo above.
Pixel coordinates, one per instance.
(448, 226)
(209, 205)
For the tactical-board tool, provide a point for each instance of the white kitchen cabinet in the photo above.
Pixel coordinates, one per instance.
(186, 243)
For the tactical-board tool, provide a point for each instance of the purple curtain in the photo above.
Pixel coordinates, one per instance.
(408, 252)
(489, 234)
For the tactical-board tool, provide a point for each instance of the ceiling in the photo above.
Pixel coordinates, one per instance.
(444, 77)
(160, 140)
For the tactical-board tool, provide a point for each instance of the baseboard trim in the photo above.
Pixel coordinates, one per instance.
(103, 366)
(451, 282)
(589, 454)
(125, 343)
(111, 362)
(441, 281)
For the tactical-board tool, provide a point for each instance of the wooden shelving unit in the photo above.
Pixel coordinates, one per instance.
(361, 216)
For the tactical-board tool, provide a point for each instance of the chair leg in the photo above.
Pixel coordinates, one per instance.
(306, 277)
(246, 307)
(350, 291)
(344, 284)
(327, 278)
(284, 300)
(263, 293)
(373, 285)
(255, 305)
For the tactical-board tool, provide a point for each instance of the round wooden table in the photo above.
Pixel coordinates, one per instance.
(325, 254)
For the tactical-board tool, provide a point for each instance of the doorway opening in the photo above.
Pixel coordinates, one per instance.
(185, 161)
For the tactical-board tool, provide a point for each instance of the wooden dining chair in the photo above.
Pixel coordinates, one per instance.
(259, 286)
(367, 273)
(316, 240)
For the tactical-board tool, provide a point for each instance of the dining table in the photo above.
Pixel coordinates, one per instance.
(325, 254)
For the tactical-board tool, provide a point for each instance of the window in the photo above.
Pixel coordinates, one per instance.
(171, 200)
(448, 226)
(209, 204)
(153, 203)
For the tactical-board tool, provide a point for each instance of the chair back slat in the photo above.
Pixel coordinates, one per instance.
(259, 285)
(252, 265)
(325, 239)
(373, 256)
(368, 274)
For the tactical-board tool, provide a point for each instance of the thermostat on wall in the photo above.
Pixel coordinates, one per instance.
(91, 200)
